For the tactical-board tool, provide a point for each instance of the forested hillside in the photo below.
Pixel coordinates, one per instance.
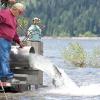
(66, 17)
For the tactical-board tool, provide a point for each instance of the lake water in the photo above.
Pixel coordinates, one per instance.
(82, 76)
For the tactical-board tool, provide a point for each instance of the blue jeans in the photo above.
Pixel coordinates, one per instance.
(5, 47)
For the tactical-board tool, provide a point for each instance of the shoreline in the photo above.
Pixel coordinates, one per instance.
(74, 38)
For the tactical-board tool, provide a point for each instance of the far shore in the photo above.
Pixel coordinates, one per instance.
(92, 38)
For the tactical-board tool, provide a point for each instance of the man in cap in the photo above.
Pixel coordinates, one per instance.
(8, 34)
(34, 31)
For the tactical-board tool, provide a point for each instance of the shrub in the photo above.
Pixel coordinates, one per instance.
(95, 57)
(75, 54)
(87, 34)
(23, 24)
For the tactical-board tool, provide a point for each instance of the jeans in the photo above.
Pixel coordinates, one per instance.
(5, 47)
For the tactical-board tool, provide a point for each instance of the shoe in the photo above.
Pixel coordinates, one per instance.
(14, 81)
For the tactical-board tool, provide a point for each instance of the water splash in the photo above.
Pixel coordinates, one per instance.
(66, 86)
(58, 75)
(42, 63)
(70, 88)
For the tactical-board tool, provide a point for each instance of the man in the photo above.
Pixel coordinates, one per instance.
(34, 31)
(8, 34)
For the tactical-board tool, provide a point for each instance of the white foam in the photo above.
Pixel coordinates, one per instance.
(66, 85)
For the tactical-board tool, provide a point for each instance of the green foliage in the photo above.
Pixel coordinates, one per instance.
(68, 16)
(75, 54)
(23, 24)
(95, 57)
(23, 21)
(87, 34)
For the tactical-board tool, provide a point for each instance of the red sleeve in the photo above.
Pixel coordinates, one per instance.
(2, 17)
(16, 38)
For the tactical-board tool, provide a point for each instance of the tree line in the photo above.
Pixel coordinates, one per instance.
(65, 17)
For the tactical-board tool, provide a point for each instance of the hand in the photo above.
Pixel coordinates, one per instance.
(26, 34)
(21, 45)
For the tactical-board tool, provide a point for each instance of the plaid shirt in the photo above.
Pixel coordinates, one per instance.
(34, 32)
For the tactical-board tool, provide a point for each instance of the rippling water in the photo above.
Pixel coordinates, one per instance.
(82, 76)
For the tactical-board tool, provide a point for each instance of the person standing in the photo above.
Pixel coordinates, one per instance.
(34, 31)
(8, 34)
